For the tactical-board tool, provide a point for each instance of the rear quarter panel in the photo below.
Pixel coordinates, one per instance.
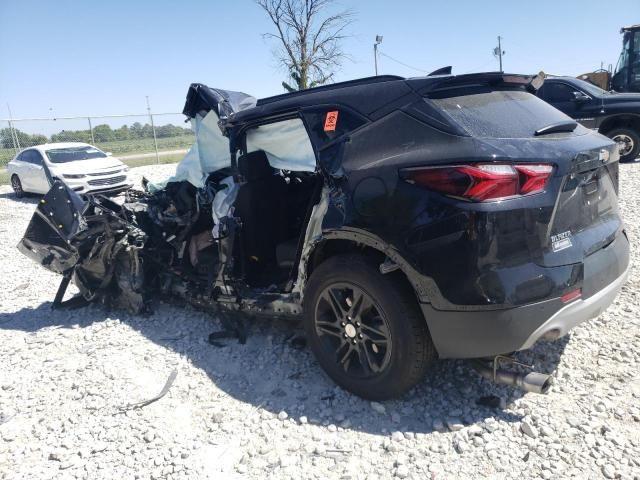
(478, 254)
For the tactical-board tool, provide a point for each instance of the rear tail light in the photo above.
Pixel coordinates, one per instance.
(482, 182)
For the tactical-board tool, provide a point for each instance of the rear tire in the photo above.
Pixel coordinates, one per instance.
(366, 329)
(16, 184)
(629, 141)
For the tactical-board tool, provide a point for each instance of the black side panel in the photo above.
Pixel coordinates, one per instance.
(42, 244)
(55, 221)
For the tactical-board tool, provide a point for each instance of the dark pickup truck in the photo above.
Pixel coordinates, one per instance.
(616, 115)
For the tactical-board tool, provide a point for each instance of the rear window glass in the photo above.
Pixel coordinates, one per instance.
(500, 114)
(63, 155)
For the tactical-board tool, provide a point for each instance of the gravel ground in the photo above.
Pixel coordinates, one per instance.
(265, 410)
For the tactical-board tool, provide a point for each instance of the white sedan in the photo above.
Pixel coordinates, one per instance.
(82, 167)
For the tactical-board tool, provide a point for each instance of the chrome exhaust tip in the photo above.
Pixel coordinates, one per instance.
(534, 382)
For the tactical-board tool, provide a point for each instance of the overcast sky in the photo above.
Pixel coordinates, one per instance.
(102, 57)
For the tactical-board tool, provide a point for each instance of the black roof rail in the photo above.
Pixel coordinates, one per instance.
(331, 86)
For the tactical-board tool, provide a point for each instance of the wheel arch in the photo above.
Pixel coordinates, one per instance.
(350, 240)
(622, 120)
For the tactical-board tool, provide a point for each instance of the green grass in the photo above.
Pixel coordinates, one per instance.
(6, 154)
(145, 145)
(4, 177)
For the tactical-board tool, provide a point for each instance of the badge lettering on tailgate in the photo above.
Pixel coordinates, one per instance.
(561, 241)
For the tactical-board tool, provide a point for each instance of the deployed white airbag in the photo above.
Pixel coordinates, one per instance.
(210, 152)
(223, 203)
(286, 144)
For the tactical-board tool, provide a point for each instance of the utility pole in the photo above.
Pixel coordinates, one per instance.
(375, 52)
(93, 140)
(14, 135)
(153, 129)
(498, 52)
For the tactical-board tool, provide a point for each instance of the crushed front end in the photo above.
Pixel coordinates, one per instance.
(90, 240)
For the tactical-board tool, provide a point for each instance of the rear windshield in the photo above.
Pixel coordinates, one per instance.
(500, 114)
(64, 155)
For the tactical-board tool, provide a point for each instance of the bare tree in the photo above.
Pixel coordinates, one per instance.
(309, 39)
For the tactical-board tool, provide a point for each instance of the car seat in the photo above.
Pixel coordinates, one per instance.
(261, 207)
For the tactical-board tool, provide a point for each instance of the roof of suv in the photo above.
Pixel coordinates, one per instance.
(365, 95)
(370, 96)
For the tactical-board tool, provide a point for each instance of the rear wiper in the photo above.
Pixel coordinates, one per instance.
(567, 126)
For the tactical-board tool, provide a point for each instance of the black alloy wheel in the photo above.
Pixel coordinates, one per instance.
(365, 328)
(352, 328)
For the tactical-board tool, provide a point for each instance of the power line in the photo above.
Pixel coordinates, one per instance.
(402, 63)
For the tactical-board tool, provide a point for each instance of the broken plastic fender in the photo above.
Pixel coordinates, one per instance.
(57, 219)
(90, 238)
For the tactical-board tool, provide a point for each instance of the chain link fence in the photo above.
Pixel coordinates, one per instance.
(136, 139)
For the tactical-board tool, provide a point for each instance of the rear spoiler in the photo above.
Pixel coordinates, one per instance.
(431, 84)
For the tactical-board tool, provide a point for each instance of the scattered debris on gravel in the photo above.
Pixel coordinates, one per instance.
(265, 409)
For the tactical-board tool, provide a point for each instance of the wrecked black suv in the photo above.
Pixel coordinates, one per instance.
(402, 219)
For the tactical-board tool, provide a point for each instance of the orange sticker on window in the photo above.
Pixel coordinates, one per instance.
(330, 121)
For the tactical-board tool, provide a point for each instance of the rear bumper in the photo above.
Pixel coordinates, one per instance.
(576, 312)
(485, 333)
